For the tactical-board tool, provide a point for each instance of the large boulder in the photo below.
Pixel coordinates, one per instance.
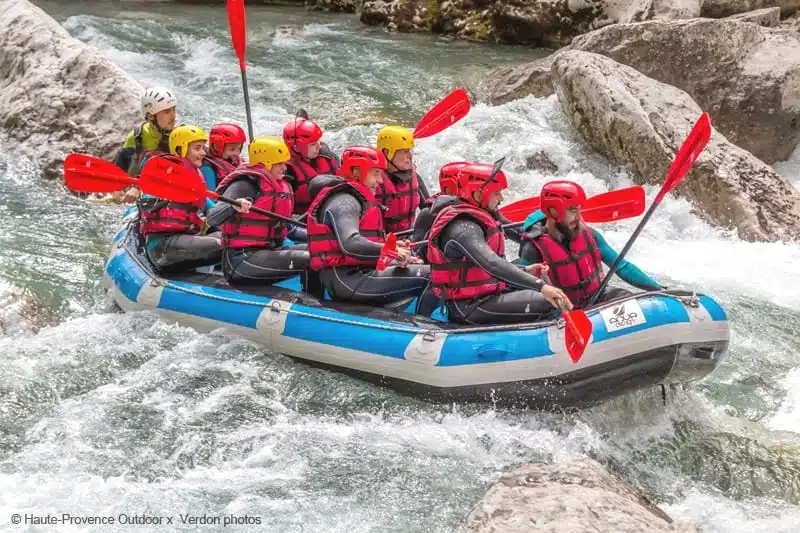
(724, 8)
(746, 76)
(639, 123)
(544, 22)
(576, 497)
(57, 94)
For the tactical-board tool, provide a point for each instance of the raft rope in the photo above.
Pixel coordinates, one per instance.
(688, 298)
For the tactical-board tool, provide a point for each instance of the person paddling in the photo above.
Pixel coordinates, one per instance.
(466, 251)
(401, 190)
(310, 157)
(225, 143)
(572, 251)
(171, 229)
(254, 243)
(346, 235)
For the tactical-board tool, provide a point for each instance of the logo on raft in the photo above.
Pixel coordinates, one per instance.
(623, 316)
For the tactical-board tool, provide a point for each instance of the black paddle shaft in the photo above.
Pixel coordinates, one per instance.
(264, 212)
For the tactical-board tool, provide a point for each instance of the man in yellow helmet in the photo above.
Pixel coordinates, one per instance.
(253, 243)
(402, 190)
(171, 229)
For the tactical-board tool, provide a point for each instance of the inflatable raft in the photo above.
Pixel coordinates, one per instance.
(645, 340)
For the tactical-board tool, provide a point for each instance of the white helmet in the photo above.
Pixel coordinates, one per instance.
(157, 99)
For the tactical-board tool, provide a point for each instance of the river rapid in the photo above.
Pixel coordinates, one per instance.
(106, 413)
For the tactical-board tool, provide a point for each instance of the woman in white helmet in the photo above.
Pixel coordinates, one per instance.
(158, 110)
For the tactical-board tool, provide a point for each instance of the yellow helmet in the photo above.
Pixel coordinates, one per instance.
(394, 138)
(181, 136)
(268, 151)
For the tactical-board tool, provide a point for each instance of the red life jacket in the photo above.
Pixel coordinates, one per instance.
(252, 230)
(222, 167)
(577, 271)
(323, 246)
(463, 280)
(304, 171)
(401, 199)
(162, 216)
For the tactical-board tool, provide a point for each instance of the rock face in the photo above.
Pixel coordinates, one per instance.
(639, 123)
(724, 8)
(336, 6)
(746, 76)
(546, 22)
(57, 94)
(578, 497)
(769, 17)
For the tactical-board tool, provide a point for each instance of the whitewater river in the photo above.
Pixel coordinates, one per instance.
(106, 413)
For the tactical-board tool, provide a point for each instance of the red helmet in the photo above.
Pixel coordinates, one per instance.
(561, 195)
(448, 177)
(299, 133)
(222, 134)
(361, 157)
(474, 177)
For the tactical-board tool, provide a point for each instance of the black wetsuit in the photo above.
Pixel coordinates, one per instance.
(425, 218)
(366, 285)
(257, 264)
(177, 252)
(522, 302)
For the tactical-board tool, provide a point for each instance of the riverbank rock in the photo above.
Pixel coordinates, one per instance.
(576, 497)
(724, 8)
(769, 17)
(639, 123)
(57, 94)
(541, 22)
(746, 76)
(334, 6)
(22, 312)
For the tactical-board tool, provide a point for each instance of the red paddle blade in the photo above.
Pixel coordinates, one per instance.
(687, 154)
(578, 331)
(614, 205)
(85, 173)
(237, 21)
(447, 112)
(171, 181)
(388, 253)
(519, 210)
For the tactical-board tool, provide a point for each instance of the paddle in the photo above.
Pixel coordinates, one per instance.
(444, 114)
(579, 326)
(605, 207)
(237, 21)
(85, 173)
(172, 181)
(687, 155)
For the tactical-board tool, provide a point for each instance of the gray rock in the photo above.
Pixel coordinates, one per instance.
(769, 17)
(639, 123)
(724, 8)
(576, 497)
(57, 94)
(746, 76)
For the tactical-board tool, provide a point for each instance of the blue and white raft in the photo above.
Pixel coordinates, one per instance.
(640, 341)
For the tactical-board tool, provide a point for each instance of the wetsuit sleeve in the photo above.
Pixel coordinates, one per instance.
(514, 233)
(529, 254)
(297, 234)
(422, 224)
(341, 212)
(221, 211)
(629, 272)
(124, 156)
(463, 237)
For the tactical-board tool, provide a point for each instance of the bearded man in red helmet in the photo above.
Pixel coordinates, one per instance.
(572, 252)
(346, 235)
(466, 251)
(310, 157)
